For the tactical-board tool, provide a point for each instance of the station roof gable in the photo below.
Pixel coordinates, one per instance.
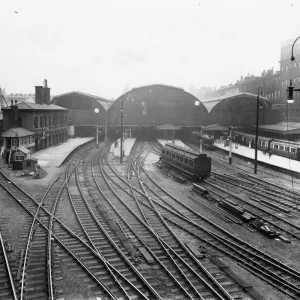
(106, 103)
(210, 103)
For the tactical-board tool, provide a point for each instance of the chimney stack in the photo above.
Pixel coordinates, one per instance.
(46, 95)
(39, 95)
(15, 114)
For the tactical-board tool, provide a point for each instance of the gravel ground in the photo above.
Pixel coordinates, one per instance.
(35, 187)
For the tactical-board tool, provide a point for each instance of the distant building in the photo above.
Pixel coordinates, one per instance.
(33, 126)
(273, 83)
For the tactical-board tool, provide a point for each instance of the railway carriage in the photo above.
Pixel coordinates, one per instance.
(196, 165)
(274, 146)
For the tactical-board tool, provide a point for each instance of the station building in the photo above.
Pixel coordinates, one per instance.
(30, 127)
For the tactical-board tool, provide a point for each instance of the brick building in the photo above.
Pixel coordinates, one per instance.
(34, 126)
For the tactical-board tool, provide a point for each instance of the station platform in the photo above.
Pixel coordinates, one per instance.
(275, 160)
(55, 155)
(127, 145)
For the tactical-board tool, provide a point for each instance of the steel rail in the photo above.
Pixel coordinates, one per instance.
(111, 241)
(273, 262)
(137, 235)
(259, 191)
(38, 204)
(227, 295)
(215, 225)
(174, 253)
(87, 269)
(297, 236)
(289, 269)
(149, 228)
(7, 265)
(265, 272)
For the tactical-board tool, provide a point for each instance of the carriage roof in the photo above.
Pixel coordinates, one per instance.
(183, 151)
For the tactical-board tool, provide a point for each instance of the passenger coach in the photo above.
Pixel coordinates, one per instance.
(196, 165)
(284, 148)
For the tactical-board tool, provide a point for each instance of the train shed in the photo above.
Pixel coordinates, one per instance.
(240, 110)
(147, 108)
(85, 111)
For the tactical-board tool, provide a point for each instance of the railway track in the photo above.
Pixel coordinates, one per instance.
(187, 220)
(179, 251)
(68, 240)
(104, 235)
(223, 187)
(269, 202)
(7, 284)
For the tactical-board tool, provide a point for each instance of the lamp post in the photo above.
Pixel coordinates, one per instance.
(259, 92)
(197, 103)
(105, 130)
(200, 137)
(291, 89)
(96, 110)
(129, 98)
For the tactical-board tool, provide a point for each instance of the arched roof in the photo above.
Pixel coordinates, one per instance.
(82, 106)
(156, 105)
(79, 100)
(236, 110)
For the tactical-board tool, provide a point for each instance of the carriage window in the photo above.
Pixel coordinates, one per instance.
(266, 144)
(293, 150)
(186, 161)
(173, 155)
(275, 146)
(19, 157)
(191, 163)
(181, 158)
(281, 148)
(177, 157)
(287, 149)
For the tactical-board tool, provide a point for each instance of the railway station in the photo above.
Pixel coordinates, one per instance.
(126, 175)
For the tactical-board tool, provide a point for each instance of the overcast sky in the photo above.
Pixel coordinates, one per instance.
(99, 47)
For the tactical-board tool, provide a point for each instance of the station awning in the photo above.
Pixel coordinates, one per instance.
(282, 127)
(168, 127)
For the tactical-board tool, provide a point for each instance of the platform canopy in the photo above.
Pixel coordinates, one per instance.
(215, 127)
(282, 127)
(168, 127)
